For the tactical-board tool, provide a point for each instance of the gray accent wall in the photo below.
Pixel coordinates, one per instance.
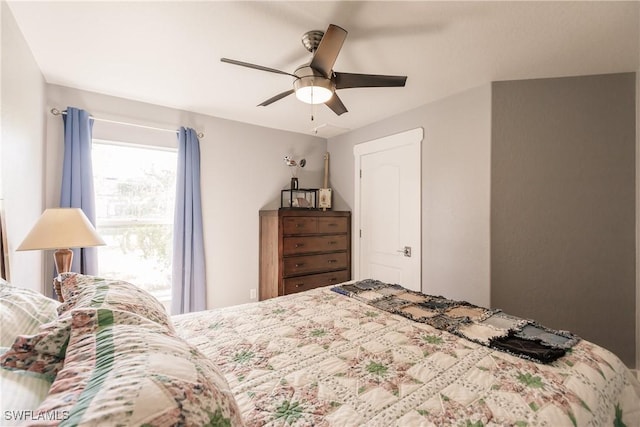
(638, 208)
(563, 205)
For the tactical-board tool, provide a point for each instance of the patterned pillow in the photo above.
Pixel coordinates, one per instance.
(44, 351)
(22, 311)
(80, 291)
(117, 372)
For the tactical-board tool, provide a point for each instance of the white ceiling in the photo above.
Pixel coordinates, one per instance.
(168, 52)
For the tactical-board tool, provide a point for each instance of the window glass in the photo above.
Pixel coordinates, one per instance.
(135, 196)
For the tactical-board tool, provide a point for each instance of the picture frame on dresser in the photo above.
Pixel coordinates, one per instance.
(302, 198)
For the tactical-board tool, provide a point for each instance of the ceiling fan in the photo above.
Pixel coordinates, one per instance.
(316, 82)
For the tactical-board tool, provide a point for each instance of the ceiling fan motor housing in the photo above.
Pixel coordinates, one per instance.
(311, 86)
(311, 40)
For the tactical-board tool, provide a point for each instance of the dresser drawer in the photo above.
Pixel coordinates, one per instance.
(297, 265)
(332, 225)
(304, 283)
(310, 244)
(300, 225)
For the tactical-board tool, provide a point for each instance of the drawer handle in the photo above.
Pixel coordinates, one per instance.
(333, 279)
(299, 245)
(299, 225)
(332, 261)
(332, 224)
(300, 264)
(333, 242)
(299, 285)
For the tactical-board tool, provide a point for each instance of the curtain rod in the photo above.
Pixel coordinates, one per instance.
(57, 112)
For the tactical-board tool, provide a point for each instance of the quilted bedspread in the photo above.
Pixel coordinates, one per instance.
(323, 359)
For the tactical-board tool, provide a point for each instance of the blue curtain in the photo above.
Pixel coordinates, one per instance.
(188, 291)
(77, 180)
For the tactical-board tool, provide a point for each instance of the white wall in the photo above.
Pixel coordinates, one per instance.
(242, 172)
(456, 155)
(22, 152)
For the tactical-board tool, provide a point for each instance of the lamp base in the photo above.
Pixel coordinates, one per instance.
(63, 259)
(57, 286)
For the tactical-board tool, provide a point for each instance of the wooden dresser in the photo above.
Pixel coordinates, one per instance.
(302, 250)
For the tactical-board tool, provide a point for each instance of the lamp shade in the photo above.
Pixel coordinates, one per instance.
(61, 228)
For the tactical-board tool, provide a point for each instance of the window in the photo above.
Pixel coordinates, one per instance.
(135, 198)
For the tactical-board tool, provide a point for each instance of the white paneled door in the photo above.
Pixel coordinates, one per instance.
(387, 217)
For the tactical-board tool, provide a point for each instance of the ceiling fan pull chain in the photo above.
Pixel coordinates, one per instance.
(313, 108)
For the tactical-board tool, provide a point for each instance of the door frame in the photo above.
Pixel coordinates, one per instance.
(409, 137)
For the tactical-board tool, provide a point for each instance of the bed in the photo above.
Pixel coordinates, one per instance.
(326, 357)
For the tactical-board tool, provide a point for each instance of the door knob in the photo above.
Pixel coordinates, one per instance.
(406, 251)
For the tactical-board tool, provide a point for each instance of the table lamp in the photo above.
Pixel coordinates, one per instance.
(61, 229)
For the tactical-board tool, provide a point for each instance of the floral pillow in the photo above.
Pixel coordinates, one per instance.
(42, 353)
(22, 311)
(80, 291)
(122, 369)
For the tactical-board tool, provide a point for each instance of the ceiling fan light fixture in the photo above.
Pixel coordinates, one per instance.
(313, 89)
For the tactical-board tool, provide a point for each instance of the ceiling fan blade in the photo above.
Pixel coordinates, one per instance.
(328, 49)
(254, 66)
(336, 105)
(349, 80)
(276, 98)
